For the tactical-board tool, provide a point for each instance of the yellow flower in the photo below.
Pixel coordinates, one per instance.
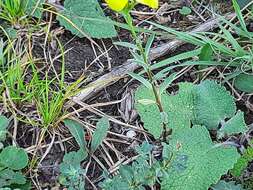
(117, 5)
(151, 3)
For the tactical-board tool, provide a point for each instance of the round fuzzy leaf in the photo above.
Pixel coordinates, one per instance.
(244, 82)
(13, 158)
(185, 10)
(233, 126)
(85, 17)
(213, 104)
(206, 162)
(149, 113)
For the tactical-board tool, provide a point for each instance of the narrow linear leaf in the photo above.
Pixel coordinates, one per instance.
(126, 44)
(142, 80)
(149, 44)
(167, 82)
(239, 15)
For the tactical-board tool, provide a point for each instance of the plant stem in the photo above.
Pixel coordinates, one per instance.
(155, 87)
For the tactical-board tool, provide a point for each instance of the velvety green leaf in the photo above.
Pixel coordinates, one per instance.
(9, 177)
(87, 18)
(149, 113)
(100, 133)
(13, 158)
(74, 157)
(34, 7)
(185, 10)
(244, 82)
(206, 163)
(223, 185)
(213, 103)
(233, 126)
(4, 122)
(77, 130)
(180, 107)
(72, 174)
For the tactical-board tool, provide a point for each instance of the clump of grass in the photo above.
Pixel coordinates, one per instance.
(12, 11)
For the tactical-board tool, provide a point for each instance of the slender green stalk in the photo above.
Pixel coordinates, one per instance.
(155, 87)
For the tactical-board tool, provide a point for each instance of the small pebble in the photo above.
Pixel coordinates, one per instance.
(131, 134)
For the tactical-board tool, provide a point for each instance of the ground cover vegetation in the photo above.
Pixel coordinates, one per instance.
(131, 94)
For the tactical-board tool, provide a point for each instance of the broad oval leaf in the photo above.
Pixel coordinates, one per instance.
(244, 82)
(14, 158)
(213, 104)
(76, 129)
(206, 163)
(233, 126)
(85, 17)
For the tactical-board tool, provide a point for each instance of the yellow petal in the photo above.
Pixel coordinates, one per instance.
(151, 3)
(117, 5)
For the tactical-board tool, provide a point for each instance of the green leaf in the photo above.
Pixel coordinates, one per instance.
(213, 104)
(244, 82)
(233, 126)
(13, 158)
(206, 53)
(4, 122)
(126, 44)
(149, 113)
(72, 175)
(180, 107)
(149, 44)
(243, 3)
(223, 185)
(138, 173)
(9, 177)
(100, 133)
(76, 129)
(202, 168)
(74, 158)
(205, 104)
(141, 79)
(167, 82)
(185, 10)
(85, 17)
(34, 7)
(242, 162)
(239, 15)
